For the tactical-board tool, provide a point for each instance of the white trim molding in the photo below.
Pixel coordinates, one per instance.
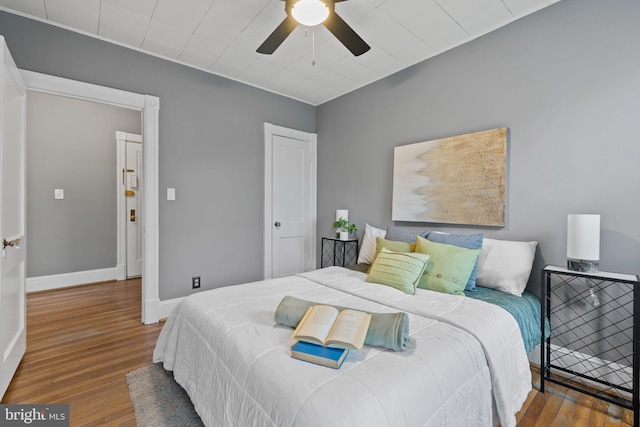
(167, 307)
(55, 281)
(149, 106)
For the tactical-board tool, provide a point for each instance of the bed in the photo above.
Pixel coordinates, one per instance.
(466, 363)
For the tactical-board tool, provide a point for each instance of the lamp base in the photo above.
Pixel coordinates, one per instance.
(583, 266)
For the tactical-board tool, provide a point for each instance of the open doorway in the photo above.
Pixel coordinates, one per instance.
(71, 190)
(149, 107)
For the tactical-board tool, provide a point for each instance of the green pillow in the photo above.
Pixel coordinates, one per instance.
(402, 270)
(392, 245)
(449, 266)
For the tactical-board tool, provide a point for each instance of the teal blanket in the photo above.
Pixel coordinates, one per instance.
(525, 309)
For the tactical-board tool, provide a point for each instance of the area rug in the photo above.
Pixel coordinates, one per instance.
(159, 401)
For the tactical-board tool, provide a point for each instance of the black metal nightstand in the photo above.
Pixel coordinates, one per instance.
(342, 253)
(595, 333)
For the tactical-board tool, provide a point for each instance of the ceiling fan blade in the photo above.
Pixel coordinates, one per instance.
(343, 32)
(278, 36)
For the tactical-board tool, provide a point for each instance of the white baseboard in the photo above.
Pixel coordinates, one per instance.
(43, 283)
(166, 307)
(121, 271)
(588, 365)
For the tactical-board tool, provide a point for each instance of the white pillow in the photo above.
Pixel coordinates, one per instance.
(505, 265)
(368, 249)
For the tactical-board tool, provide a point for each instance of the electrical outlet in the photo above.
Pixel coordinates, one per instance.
(195, 282)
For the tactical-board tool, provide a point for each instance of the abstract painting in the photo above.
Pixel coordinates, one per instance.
(455, 180)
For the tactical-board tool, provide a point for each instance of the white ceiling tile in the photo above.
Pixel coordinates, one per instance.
(201, 52)
(122, 25)
(521, 8)
(284, 80)
(463, 9)
(373, 23)
(185, 14)
(446, 39)
(352, 11)
(403, 10)
(352, 69)
(334, 80)
(80, 14)
(414, 52)
(247, 43)
(487, 20)
(232, 63)
(275, 9)
(30, 7)
(259, 72)
(430, 23)
(142, 7)
(398, 38)
(380, 62)
(305, 68)
(165, 40)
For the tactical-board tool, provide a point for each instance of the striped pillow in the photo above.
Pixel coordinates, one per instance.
(401, 270)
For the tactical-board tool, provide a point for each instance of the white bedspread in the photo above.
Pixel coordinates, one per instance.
(225, 349)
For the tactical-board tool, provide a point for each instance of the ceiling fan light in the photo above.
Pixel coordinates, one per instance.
(310, 12)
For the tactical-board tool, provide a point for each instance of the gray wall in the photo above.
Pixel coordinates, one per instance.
(565, 80)
(71, 145)
(211, 148)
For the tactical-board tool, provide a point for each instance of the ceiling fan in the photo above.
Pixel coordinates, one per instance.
(311, 13)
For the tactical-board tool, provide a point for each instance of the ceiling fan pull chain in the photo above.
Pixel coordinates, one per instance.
(313, 48)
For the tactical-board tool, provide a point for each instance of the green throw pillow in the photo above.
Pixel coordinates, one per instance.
(392, 245)
(449, 266)
(402, 270)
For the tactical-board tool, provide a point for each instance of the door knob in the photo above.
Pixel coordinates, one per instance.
(277, 224)
(133, 215)
(10, 243)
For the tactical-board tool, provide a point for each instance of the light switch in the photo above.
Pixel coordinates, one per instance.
(171, 193)
(58, 193)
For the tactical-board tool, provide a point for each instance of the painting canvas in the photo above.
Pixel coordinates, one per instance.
(455, 180)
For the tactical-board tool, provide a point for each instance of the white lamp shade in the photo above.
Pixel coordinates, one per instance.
(310, 12)
(342, 213)
(583, 237)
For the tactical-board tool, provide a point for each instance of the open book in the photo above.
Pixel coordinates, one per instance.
(327, 326)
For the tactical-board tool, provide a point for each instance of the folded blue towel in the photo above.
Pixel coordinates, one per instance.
(387, 330)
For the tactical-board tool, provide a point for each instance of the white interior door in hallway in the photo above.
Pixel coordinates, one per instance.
(290, 201)
(13, 337)
(130, 207)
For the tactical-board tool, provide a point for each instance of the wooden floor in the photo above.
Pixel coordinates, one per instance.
(82, 341)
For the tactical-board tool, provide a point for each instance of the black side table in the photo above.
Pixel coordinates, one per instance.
(595, 334)
(341, 253)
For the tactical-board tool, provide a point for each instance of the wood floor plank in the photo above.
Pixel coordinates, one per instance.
(82, 341)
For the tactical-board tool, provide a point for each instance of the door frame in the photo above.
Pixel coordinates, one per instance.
(149, 106)
(269, 131)
(121, 201)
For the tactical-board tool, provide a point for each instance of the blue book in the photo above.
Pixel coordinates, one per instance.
(325, 356)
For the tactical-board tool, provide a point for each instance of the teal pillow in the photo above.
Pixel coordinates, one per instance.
(449, 266)
(401, 270)
(400, 235)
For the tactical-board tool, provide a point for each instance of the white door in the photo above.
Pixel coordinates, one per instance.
(290, 201)
(134, 209)
(13, 341)
(129, 175)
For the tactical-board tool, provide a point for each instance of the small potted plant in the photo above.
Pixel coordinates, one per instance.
(342, 226)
